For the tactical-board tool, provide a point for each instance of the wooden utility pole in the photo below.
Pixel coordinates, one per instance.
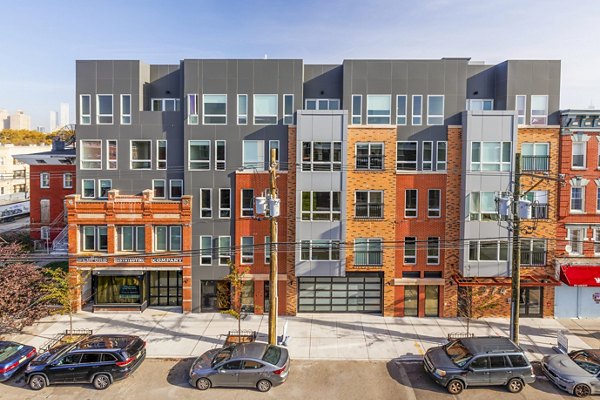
(516, 254)
(273, 250)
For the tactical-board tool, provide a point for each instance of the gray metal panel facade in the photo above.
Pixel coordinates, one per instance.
(323, 81)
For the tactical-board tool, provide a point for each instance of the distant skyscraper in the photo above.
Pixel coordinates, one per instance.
(4, 120)
(64, 114)
(20, 120)
(53, 118)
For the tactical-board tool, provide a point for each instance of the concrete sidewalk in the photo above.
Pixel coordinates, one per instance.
(313, 336)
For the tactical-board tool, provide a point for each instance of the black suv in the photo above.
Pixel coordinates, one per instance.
(97, 359)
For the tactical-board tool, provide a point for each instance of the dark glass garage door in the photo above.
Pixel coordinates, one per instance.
(166, 288)
(337, 294)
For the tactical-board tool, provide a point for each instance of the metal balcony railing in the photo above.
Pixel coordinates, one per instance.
(369, 162)
(369, 257)
(535, 163)
(533, 257)
(60, 244)
(370, 210)
(539, 211)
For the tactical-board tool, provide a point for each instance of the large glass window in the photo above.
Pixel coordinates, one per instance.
(322, 104)
(577, 199)
(199, 154)
(242, 109)
(411, 301)
(247, 249)
(224, 250)
(441, 161)
(539, 110)
(321, 156)
(265, 109)
(417, 109)
(576, 236)
(320, 250)
(167, 238)
(131, 238)
(85, 101)
(356, 109)
(166, 288)
(410, 206)
(410, 250)
(119, 290)
(161, 154)
(433, 250)
(104, 109)
(91, 154)
(288, 109)
(379, 109)
(206, 250)
(253, 154)
(94, 238)
(539, 203)
(369, 156)
(369, 204)
(435, 110)
(434, 201)
(247, 202)
(368, 251)
(482, 206)
(224, 203)
(167, 104)
(578, 157)
(533, 251)
(535, 156)
(215, 109)
(406, 156)
(521, 107)
(141, 154)
(321, 206)
(126, 109)
(88, 188)
(491, 156)
(111, 154)
(488, 250)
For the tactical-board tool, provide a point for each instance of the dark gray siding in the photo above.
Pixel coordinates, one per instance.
(323, 81)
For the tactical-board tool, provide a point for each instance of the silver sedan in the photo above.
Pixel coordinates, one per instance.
(255, 364)
(577, 372)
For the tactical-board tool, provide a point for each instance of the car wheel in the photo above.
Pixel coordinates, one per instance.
(101, 381)
(37, 382)
(515, 385)
(455, 386)
(582, 390)
(203, 384)
(263, 385)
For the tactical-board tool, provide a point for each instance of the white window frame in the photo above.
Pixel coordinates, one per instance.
(596, 239)
(168, 236)
(161, 164)
(271, 143)
(45, 180)
(406, 209)
(368, 242)
(319, 166)
(246, 212)
(441, 165)
(96, 232)
(329, 104)
(521, 118)
(498, 251)
(577, 250)
(125, 118)
(470, 103)
(204, 162)
(206, 256)
(433, 212)
(255, 115)
(584, 150)
(224, 250)
(408, 258)
(84, 160)
(369, 166)
(334, 215)
(83, 181)
(407, 163)
(68, 183)
(527, 247)
(220, 164)
(288, 117)
(163, 101)
(205, 115)
(577, 210)
(131, 160)
(432, 118)
(85, 119)
(171, 188)
(112, 110)
(433, 259)
(112, 163)
(135, 233)
(357, 116)
(192, 110)
(543, 117)
(164, 188)
(334, 255)
(427, 165)
(242, 118)
(100, 181)
(503, 166)
(414, 116)
(401, 118)
(387, 116)
(247, 250)
(221, 209)
(206, 210)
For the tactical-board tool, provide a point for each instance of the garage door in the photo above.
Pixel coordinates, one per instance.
(356, 293)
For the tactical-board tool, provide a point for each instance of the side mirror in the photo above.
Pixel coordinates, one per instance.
(470, 369)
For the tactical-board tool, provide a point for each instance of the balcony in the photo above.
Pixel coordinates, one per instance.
(368, 258)
(365, 163)
(533, 257)
(369, 211)
(535, 163)
(539, 211)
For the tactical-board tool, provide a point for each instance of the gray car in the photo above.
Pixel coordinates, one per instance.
(255, 364)
(577, 372)
(479, 361)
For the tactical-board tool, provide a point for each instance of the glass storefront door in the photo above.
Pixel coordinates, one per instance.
(530, 303)
(119, 289)
(411, 301)
(432, 294)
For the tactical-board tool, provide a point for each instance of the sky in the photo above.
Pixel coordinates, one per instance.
(42, 39)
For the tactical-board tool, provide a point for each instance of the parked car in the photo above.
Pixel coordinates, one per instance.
(97, 359)
(13, 356)
(254, 364)
(479, 361)
(577, 372)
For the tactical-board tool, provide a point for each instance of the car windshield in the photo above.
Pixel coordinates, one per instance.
(272, 355)
(9, 350)
(222, 355)
(586, 361)
(51, 354)
(457, 353)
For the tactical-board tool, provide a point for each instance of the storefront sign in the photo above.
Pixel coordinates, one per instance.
(96, 260)
(562, 341)
(129, 259)
(167, 260)
(596, 297)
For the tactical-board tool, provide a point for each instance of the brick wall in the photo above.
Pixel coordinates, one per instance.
(290, 213)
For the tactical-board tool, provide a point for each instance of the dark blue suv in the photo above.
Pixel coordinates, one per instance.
(98, 359)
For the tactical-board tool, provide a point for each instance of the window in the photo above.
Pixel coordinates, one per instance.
(267, 249)
(491, 156)
(91, 154)
(433, 250)
(598, 199)
(224, 203)
(379, 109)
(247, 249)
(158, 187)
(199, 154)
(67, 180)
(167, 238)
(533, 252)
(192, 103)
(215, 109)
(490, 250)
(320, 206)
(176, 188)
(220, 163)
(435, 110)
(480, 104)
(205, 203)
(539, 110)
(369, 156)
(319, 250)
(94, 238)
(86, 109)
(368, 251)
(356, 109)
(165, 104)
(104, 109)
(369, 204)
(577, 199)
(288, 109)
(322, 104)
(410, 206)
(19, 174)
(596, 237)
(441, 156)
(579, 152)
(111, 154)
(44, 180)
(274, 144)
(161, 154)
(253, 154)
(417, 109)
(89, 188)
(406, 156)
(45, 211)
(434, 201)
(205, 250)
(575, 237)
(265, 109)
(539, 203)
(126, 109)
(401, 109)
(45, 232)
(427, 162)
(242, 109)
(104, 185)
(482, 206)
(224, 250)
(410, 250)
(247, 202)
(321, 156)
(131, 238)
(535, 156)
(141, 154)
(521, 107)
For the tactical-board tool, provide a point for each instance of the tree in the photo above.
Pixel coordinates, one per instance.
(24, 137)
(20, 284)
(474, 302)
(61, 288)
(236, 286)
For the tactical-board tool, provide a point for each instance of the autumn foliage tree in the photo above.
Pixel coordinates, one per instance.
(24, 137)
(61, 289)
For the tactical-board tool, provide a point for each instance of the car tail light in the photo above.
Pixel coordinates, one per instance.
(31, 353)
(125, 363)
(279, 371)
(9, 367)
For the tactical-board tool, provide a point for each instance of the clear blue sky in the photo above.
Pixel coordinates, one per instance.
(42, 39)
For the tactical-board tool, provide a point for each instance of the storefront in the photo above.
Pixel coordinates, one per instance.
(579, 294)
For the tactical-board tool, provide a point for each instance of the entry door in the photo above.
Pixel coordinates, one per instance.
(44, 211)
(530, 303)
(480, 374)
(228, 374)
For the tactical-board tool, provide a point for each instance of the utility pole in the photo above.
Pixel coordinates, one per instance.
(273, 272)
(516, 254)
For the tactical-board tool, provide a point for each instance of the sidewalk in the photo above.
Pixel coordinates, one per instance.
(314, 336)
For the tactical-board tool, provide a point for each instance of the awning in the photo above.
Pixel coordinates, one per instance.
(119, 272)
(580, 275)
(526, 281)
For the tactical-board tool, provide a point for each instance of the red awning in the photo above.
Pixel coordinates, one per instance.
(580, 275)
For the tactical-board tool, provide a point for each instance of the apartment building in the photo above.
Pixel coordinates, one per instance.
(389, 171)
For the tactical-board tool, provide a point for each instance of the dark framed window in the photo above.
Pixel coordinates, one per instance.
(166, 288)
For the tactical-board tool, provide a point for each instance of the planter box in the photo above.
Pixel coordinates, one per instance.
(244, 336)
